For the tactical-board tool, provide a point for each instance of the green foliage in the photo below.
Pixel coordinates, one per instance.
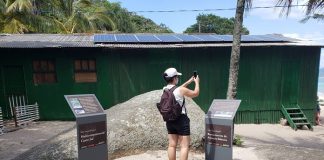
(145, 25)
(121, 17)
(238, 141)
(209, 23)
(71, 16)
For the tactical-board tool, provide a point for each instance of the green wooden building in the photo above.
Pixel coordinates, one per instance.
(274, 70)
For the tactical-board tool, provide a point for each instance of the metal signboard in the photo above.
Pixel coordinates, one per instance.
(218, 135)
(91, 126)
(219, 129)
(92, 134)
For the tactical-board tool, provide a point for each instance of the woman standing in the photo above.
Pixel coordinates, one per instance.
(318, 113)
(179, 130)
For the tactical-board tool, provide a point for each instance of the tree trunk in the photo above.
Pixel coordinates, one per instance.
(235, 54)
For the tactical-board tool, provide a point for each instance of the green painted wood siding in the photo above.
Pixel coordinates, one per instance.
(268, 77)
(275, 76)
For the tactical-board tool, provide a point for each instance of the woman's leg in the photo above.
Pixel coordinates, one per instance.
(173, 141)
(184, 147)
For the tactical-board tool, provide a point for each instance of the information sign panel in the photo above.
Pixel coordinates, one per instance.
(92, 134)
(84, 104)
(91, 126)
(219, 129)
(218, 135)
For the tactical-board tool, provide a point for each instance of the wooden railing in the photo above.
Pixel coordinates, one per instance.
(16, 100)
(1, 122)
(26, 114)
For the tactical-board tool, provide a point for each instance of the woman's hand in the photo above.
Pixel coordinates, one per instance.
(196, 79)
(188, 92)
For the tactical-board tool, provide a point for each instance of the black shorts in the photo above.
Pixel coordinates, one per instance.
(180, 126)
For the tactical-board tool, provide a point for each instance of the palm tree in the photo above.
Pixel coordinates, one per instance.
(312, 7)
(77, 16)
(53, 16)
(23, 16)
(15, 14)
(235, 53)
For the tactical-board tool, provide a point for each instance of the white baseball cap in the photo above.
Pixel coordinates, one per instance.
(171, 72)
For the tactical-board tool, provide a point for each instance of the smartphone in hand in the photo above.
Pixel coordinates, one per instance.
(195, 73)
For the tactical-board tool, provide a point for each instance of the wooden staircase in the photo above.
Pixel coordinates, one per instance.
(296, 117)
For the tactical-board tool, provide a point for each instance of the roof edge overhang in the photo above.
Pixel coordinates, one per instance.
(204, 45)
(178, 45)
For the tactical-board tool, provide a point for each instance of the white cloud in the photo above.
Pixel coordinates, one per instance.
(317, 37)
(274, 13)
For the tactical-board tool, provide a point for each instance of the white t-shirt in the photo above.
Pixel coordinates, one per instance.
(179, 98)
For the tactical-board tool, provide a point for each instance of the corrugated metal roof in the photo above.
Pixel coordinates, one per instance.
(84, 40)
(45, 41)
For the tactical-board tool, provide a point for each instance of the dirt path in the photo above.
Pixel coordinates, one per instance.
(239, 154)
(261, 142)
(264, 142)
(15, 143)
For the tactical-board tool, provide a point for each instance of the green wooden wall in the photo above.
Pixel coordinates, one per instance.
(268, 77)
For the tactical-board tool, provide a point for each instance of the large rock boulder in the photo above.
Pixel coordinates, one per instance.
(135, 125)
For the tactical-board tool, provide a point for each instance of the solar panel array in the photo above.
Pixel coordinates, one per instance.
(183, 38)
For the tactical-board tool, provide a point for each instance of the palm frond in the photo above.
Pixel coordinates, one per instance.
(319, 17)
(15, 26)
(285, 10)
(248, 4)
(19, 6)
(313, 5)
(2, 6)
(101, 21)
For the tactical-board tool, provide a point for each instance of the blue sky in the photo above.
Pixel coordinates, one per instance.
(258, 21)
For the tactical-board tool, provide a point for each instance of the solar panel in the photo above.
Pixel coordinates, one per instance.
(126, 38)
(188, 38)
(227, 38)
(147, 38)
(264, 38)
(184, 38)
(208, 38)
(168, 38)
(249, 38)
(278, 38)
(104, 38)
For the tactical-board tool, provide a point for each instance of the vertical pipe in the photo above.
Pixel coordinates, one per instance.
(10, 106)
(24, 104)
(20, 104)
(14, 110)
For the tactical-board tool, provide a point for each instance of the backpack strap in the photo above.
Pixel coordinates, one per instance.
(184, 101)
(172, 89)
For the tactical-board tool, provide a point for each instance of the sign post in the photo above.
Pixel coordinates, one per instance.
(219, 129)
(91, 126)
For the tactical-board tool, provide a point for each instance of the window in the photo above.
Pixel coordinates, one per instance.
(85, 70)
(44, 71)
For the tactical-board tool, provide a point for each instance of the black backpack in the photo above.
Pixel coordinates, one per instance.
(169, 108)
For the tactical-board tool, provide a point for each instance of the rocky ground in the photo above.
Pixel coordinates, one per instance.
(133, 127)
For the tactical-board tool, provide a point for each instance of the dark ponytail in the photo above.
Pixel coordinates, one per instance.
(166, 78)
